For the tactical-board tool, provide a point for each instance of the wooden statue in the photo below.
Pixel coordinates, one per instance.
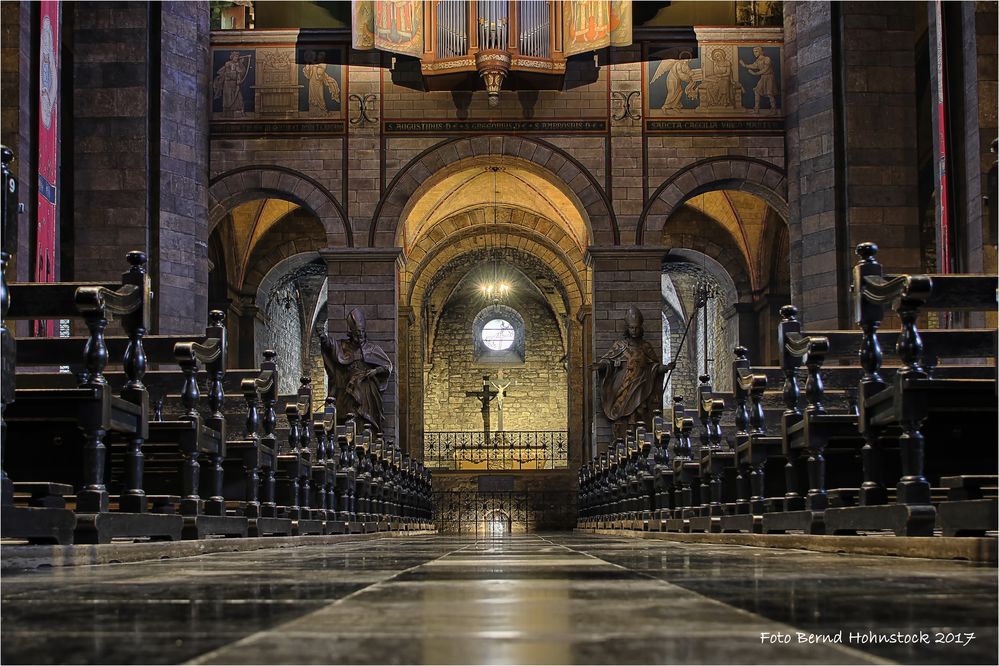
(357, 371)
(630, 376)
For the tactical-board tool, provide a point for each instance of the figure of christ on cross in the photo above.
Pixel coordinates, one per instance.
(484, 396)
(500, 398)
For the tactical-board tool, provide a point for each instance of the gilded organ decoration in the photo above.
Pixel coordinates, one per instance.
(388, 25)
(596, 24)
(494, 41)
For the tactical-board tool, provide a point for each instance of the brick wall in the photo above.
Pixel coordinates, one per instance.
(811, 168)
(537, 394)
(880, 114)
(980, 123)
(851, 145)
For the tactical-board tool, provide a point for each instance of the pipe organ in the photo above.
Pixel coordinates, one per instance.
(500, 41)
(465, 44)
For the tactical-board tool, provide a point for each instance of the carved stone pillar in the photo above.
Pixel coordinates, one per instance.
(367, 278)
(622, 276)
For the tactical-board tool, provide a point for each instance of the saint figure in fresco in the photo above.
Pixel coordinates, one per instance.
(720, 87)
(763, 67)
(318, 76)
(678, 73)
(228, 83)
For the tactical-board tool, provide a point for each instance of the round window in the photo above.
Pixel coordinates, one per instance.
(498, 334)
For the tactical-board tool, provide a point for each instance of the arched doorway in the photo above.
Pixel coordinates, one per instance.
(497, 524)
(733, 245)
(267, 273)
(482, 222)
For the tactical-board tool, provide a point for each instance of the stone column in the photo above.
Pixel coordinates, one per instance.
(242, 316)
(139, 150)
(367, 278)
(16, 128)
(851, 146)
(408, 376)
(583, 398)
(970, 76)
(622, 276)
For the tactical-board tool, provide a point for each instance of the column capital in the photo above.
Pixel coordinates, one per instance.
(597, 252)
(361, 254)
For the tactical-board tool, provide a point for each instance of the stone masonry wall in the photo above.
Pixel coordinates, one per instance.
(537, 394)
(110, 80)
(183, 192)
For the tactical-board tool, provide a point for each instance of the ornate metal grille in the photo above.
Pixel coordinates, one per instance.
(522, 449)
(459, 512)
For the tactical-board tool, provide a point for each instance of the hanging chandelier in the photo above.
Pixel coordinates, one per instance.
(497, 288)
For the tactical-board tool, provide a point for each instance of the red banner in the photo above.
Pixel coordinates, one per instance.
(48, 150)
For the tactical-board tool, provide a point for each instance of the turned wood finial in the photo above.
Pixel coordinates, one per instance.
(867, 252)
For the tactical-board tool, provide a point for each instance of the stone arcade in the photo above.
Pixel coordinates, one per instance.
(479, 331)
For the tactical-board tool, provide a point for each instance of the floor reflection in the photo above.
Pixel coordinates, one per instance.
(504, 599)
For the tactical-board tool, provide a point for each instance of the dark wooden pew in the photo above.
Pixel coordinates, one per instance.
(45, 519)
(956, 406)
(251, 459)
(324, 465)
(345, 484)
(686, 470)
(758, 455)
(811, 434)
(181, 458)
(715, 458)
(295, 464)
(662, 472)
(68, 418)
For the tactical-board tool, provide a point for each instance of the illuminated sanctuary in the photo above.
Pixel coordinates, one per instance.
(494, 331)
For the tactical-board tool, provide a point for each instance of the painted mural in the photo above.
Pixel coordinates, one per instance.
(293, 89)
(596, 24)
(319, 76)
(232, 93)
(721, 79)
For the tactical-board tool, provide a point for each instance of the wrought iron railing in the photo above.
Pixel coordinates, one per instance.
(498, 513)
(519, 449)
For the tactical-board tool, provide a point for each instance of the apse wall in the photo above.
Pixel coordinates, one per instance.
(537, 395)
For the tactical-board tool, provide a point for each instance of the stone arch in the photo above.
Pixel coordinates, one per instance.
(231, 188)
(497, 522)
(278, 245)
(707, 238)
(465, 242)
(724, 172)
(577, 178)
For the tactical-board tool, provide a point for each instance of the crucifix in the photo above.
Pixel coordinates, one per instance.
(500, 399)
(484, 396)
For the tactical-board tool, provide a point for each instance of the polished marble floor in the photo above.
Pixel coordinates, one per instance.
(535, 599)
